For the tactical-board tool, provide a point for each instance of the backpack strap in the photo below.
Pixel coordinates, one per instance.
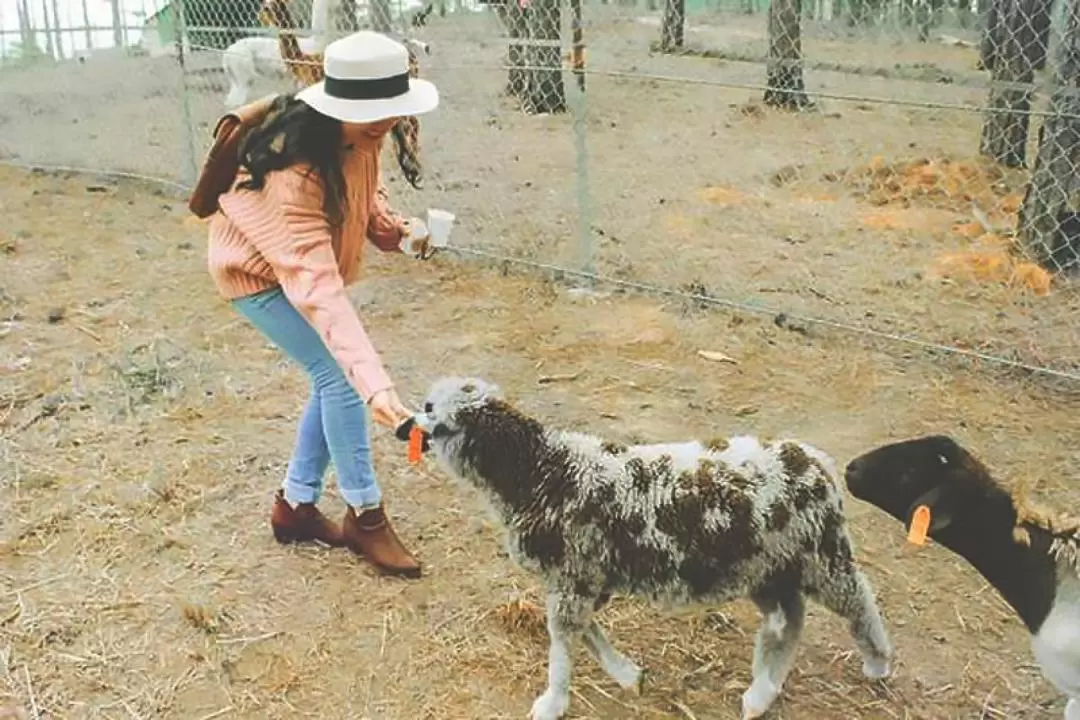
(223, 159)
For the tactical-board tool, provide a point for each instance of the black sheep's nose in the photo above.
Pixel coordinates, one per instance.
(854, 470)
(429, 407)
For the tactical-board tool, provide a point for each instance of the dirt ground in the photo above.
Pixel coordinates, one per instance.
(692, 184)
(144, 428)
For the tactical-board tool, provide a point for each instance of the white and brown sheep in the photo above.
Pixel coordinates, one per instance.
(679, 524)
(1030, 555)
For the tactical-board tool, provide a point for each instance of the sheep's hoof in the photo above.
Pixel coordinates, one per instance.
(629, 676)
(549, 706)
(758, 698)
(638, 686)
(877, 669)
(635, 680)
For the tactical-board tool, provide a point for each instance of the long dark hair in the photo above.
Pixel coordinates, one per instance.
(294, 133)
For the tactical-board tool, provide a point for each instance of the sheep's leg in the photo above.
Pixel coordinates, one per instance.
(843, 589)
(237, 87)
(783, 616)
(1072, 709)
(622, 669)
(567, 618)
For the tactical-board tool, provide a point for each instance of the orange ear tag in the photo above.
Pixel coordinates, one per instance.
(920, 526)
(416, 444)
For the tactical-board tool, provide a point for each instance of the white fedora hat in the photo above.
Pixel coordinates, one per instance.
(366, 79)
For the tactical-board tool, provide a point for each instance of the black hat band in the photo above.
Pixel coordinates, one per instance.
(367, 88)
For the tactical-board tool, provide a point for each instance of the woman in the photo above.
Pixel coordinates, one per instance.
(288, 240)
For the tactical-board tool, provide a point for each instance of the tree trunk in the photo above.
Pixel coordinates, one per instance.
(993, 33)
(26, 30)
(784, 71)
(515, 20)
(577, 50)
(905, 12)
(1039, 44)
(380, 14)
(48, 31)
(57, 29)
(347, 20)
(673, 28)
(1035, 27)
(546, 93)
(857, 12)
(117, 24)
(924, 19)
(1047, 228)
(1005, 129)
(86, 24)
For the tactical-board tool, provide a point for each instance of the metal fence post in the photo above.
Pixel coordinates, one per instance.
(578, 108)
(190, 165)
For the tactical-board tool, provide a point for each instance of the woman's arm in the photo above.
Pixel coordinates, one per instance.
(287, 225)
(385, 227)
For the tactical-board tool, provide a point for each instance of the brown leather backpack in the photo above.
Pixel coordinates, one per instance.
(223, 160)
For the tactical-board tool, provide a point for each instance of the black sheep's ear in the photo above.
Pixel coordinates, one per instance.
(440, 430)
(403, 430)
(940, 509)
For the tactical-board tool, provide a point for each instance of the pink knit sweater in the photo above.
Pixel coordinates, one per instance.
(280, 236)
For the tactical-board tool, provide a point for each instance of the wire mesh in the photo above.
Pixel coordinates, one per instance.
(885, 166)
(836, 167)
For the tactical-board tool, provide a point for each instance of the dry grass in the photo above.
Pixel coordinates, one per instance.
(143, 428)
(691, 184)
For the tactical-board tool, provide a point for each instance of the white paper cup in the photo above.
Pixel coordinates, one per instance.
(410, 243)
(439, 223)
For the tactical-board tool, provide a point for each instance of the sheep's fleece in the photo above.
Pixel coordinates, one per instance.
(680, 524)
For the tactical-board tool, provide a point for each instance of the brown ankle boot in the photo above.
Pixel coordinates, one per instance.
(371, 536)
(303, 523)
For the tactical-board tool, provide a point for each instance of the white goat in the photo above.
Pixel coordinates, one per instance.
(679, 524)
(251, 57)
(246, 59)
(1030, 555)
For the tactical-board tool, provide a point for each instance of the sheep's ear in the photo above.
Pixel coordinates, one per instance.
(940, 509)
(440, 430)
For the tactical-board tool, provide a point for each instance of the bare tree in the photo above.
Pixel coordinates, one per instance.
(380, 13)
(48, 30)
(924, 14)
(577, 49)
(86, 26)
(117, 23)
(57, 29)
(858, 12)
(26, 27)
(784, 71)
(346, 18)
(1036, 38)
(993, 32)
(515, 19)
(673, 28)
(546, 92)
(1047, 228)
(1005, 129)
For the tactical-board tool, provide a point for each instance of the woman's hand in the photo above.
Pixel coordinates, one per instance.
(387, 410)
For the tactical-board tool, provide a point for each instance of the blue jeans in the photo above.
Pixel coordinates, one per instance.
(334, 426)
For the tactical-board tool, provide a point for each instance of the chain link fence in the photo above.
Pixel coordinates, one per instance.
(905, 169)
